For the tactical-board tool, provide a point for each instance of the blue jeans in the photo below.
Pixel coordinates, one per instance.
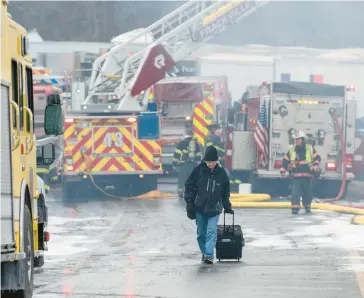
(207, 233)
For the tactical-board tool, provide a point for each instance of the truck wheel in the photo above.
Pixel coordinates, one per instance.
(39, 261)
(28, 245)
(42, 214)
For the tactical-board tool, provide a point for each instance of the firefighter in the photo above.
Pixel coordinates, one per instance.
(186, 156)
(302, 161)
(214, 139)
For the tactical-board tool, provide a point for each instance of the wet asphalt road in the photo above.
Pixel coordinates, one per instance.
(147, 248)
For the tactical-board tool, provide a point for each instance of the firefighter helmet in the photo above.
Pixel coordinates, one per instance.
(188, 134)
(299, 134)
(214, 125)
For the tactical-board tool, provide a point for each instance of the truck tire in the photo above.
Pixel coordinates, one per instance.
(39, 261)
(28, 245)
(42, 213)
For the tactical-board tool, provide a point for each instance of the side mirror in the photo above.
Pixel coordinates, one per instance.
(46, 154)
(53, 99)
(53, 116)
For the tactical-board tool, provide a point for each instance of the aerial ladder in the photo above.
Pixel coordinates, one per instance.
(168, 40)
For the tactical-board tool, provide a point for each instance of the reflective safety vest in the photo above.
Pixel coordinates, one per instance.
(309, 155)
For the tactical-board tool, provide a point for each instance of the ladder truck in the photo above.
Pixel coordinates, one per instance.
(117, 130)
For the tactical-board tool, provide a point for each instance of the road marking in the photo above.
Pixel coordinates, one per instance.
(357, 263)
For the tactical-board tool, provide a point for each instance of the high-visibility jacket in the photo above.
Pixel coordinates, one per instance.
(188, 150)
(300, 160)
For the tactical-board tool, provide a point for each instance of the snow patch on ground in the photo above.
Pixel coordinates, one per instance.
(327, 232)
(334, 232)
(59, 247)
(72, 244)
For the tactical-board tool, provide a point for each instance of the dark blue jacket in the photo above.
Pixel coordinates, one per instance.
(208, 190)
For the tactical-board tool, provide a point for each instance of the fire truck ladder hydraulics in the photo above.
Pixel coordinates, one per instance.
(180, 32)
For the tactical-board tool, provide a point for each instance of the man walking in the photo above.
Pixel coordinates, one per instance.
(207, 192)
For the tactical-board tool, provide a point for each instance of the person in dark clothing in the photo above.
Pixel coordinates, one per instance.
(207, 192)
(186, 156)
(214, 139)
(303, 162)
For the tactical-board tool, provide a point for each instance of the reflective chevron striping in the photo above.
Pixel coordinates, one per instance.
(102, 138)
(199, 122)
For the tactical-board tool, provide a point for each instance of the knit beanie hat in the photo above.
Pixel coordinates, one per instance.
(211, 154)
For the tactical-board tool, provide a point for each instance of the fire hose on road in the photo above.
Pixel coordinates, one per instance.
(260, 200)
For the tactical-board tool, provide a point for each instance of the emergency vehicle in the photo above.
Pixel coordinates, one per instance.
(189, 102)
(326, 113)
(114, 140)
(23, 210)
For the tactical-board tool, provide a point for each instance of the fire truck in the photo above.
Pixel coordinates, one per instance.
(326, 113)
(114, 140)
(189, 102)
(23, 210)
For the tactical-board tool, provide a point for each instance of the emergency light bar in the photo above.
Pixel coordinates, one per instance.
(309, 102)
(351, 88)
(317, 78)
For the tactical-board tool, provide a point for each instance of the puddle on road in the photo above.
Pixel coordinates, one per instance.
(74, 244)
(57, 220)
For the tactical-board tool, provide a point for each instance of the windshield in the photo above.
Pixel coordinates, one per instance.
(177, 110)
(105, 99)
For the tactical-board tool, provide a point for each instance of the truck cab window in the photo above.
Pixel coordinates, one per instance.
(14, 86)
(21, 94)
(29, 94)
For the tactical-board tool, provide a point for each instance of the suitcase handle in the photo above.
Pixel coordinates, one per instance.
(224, 219)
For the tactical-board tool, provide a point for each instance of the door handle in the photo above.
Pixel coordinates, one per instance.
(16, 139)
(30, 139)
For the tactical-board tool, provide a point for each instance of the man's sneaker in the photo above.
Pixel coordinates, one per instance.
(203, 259)
(308, 210)
(209, 260)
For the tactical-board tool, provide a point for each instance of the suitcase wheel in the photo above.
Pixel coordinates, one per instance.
(219, 259)
(238, 259)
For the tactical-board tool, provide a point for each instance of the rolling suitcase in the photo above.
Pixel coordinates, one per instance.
(230, 241)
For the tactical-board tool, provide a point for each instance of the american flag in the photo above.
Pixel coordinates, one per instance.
(261, 137)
